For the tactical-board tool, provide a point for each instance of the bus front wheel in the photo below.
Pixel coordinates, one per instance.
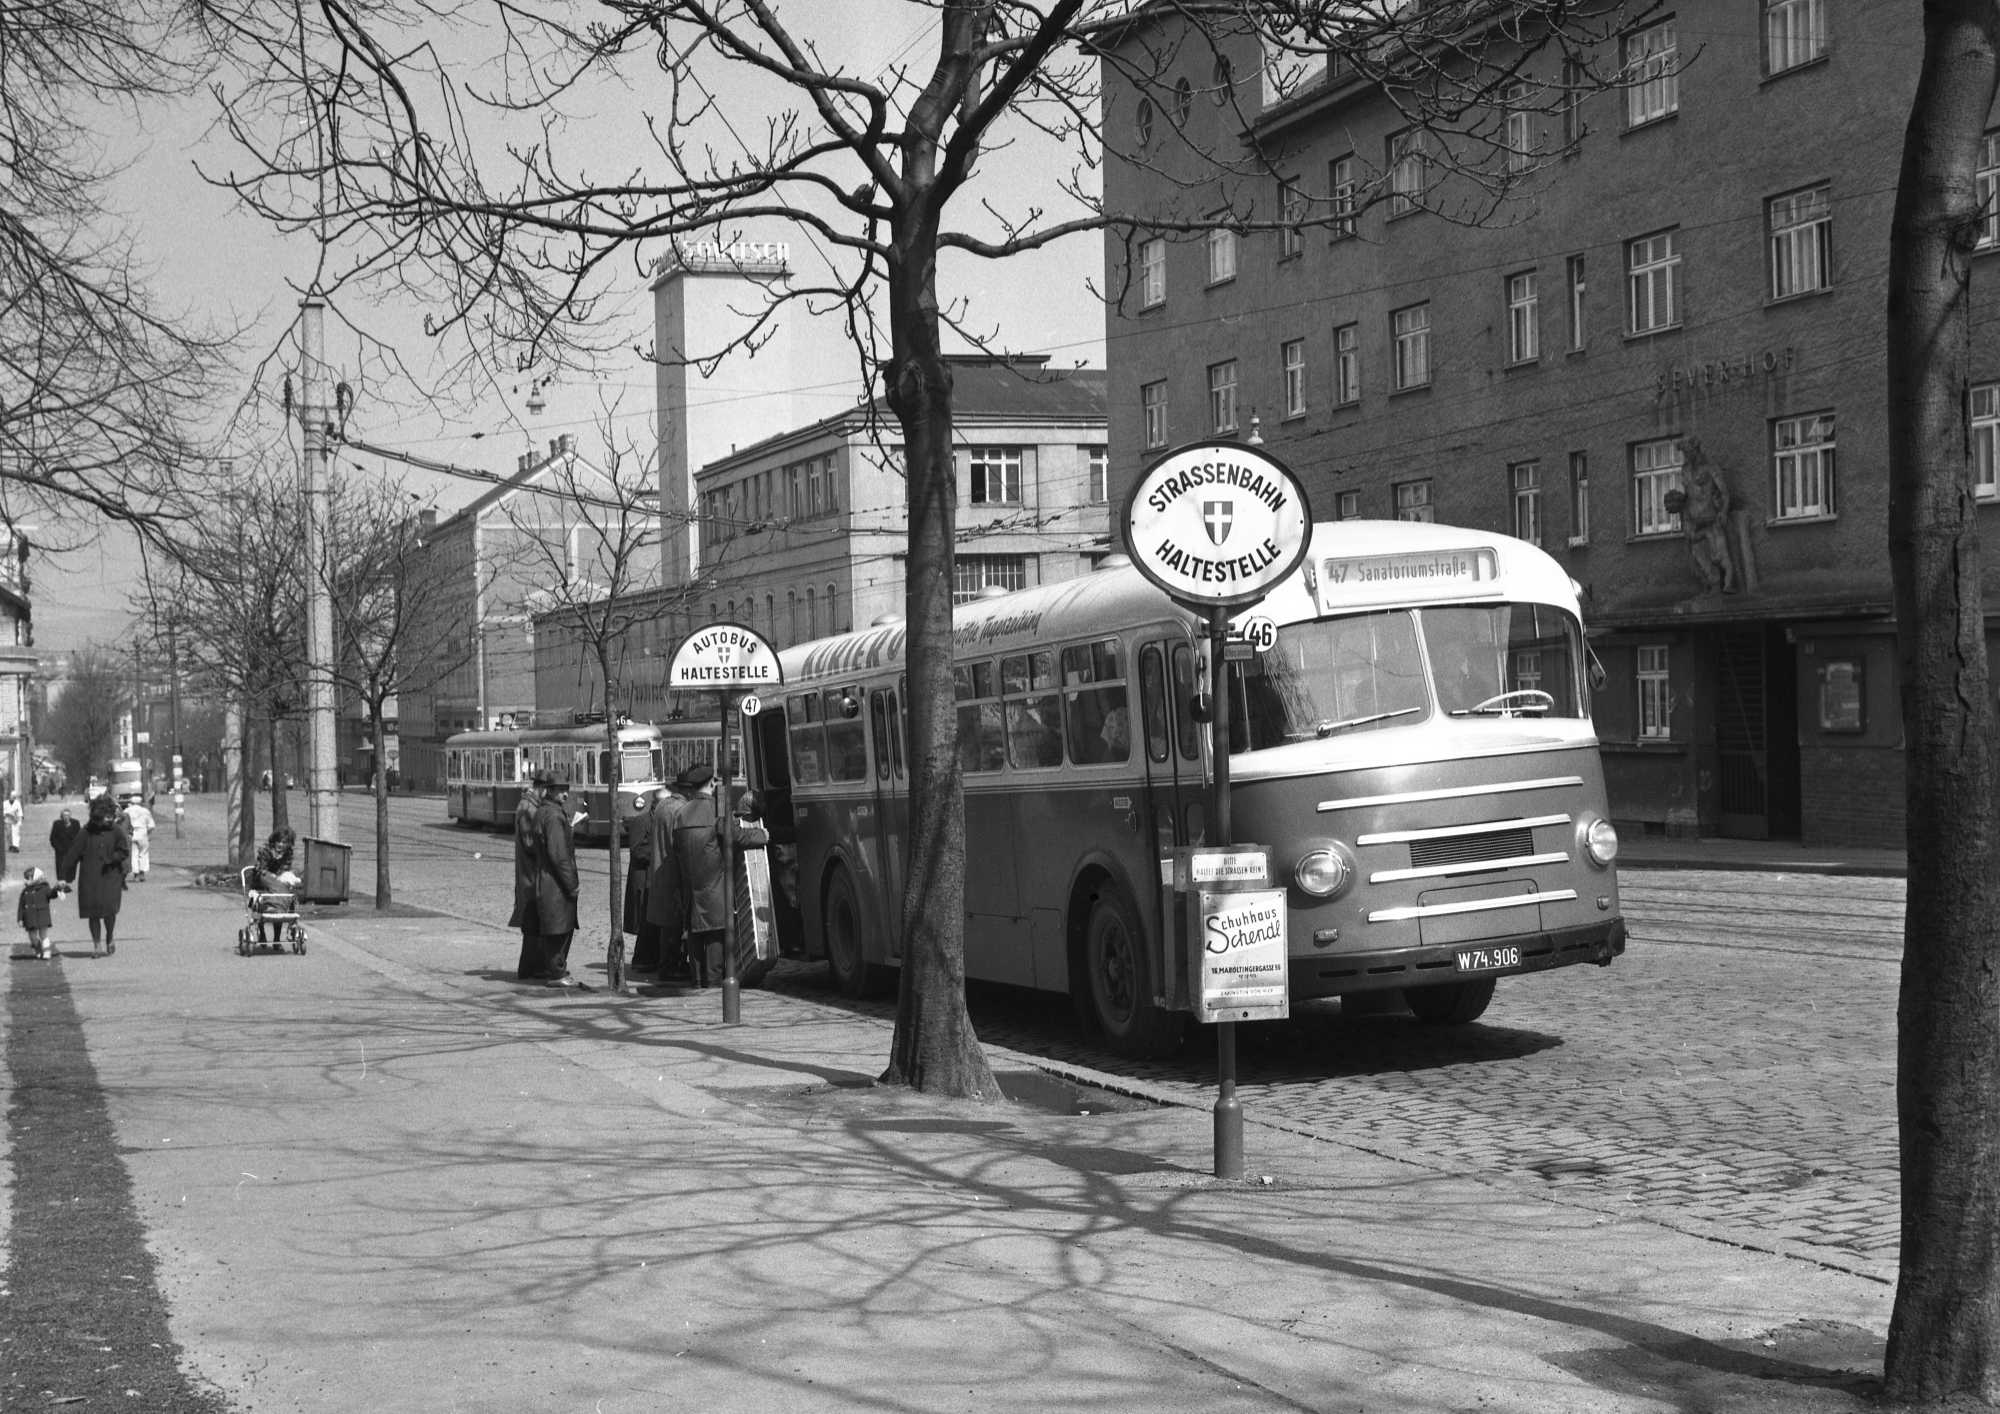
(1451, 1005)
(1121, 984)
(853, 975)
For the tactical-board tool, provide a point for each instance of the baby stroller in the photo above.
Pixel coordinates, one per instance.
(268, 908)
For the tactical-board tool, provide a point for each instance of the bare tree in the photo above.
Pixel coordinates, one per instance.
(387, 643)
(587, 538)
(101, 392)
(353, 117)
(82, 722)
(1944, 1335)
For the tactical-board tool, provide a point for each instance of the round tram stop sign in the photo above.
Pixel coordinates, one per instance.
(1217, 524)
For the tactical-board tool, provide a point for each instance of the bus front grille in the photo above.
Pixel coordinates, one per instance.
(1470, 849)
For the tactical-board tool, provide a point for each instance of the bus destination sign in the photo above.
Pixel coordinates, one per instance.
(1217, 523)
(725, 656)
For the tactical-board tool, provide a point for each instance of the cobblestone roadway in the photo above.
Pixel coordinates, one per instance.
(1735, 1068)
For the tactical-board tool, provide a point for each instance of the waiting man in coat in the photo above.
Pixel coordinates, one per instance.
(531, 967)
(665, 909)
(698, 851)
(552, 852)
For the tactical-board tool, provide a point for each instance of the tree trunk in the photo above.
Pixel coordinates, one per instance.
(381, 806)
(236, 758)
(1944, 1335)
(934, 1048)
(281, 815)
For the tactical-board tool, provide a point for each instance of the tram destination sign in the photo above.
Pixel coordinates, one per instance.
(1217, 523)
(725, 656)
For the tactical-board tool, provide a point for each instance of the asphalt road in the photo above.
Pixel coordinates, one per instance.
(1733, 1074)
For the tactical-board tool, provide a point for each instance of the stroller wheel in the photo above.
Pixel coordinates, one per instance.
(243, 942)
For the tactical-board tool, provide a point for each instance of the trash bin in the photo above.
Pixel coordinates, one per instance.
(324, 869)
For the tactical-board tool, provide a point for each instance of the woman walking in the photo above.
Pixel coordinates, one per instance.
(100, 855)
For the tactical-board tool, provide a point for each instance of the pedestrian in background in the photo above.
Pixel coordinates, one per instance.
(98, 859)
(665, 908)
(140, 824)
(547, 855)
(698, 853)
(33, 912)
(62, 834)
(529, 968)
(638, 881)
(12, 812)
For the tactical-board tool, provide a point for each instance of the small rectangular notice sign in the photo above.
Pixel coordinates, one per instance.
(1243, 962)
(1239, 867)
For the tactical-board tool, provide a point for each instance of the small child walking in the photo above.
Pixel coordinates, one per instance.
(33, 912)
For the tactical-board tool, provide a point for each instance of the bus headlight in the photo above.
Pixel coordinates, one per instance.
(1323, 873)
(1601, 841)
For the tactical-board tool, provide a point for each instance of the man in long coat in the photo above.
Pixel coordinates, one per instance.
(664, 907)
(556, 884)
(698, 852)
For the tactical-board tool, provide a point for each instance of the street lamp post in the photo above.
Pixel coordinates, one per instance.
(322, 790)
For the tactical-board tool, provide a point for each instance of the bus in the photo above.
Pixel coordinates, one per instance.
(485, 772)
(1410, 733)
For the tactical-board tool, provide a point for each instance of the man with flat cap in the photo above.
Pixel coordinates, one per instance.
(663, 886)
(545, 881)
(698, 852)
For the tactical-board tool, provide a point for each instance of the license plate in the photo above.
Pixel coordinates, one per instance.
(1486, 959)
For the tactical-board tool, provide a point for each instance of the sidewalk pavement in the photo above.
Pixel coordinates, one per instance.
(385, 1176)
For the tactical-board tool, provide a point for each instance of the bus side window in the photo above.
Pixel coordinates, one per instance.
(1034, 710)
(981, 746)
(878, 720)
(808, 740)
(1186, 730)
(1153, 701)
(896, 735)
(1095, 703)
(846, 737)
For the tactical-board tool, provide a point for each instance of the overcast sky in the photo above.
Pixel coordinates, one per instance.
(210, 258)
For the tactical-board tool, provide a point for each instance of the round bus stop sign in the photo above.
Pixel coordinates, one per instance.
(725, 656)
(1217, 523)
(751, 705)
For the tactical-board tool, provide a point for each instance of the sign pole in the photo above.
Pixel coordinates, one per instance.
(1228, 1112)
(732, 990)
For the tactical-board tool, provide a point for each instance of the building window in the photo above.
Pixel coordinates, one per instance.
(1573, 270)
(1520, 129)
(1579, 498)
(1142, 121)
(1221, 256)
(1097, 476)
(812, 612)
(1802, 466)
(1407, 170)
(1222, 397)
(1347, 505)
(812, 488)
(1986, 188)
(1985, 434)
(1656, 694)
(1794, 33)
(1225, 81)
(1656, 470)
(1524, 318)
(1292, 205)
(1653, 266)
(1295, 377)
(1152, 273)
(1575, 80)
(832, 494)
(1653, 86)
(1347, 364)
(1524, 480)
(1183, 101)
(1153, 404)
(1411, 330)
(971, 574)
(996, 476)
(1413, 501)
(797, 476)
(1801, 243)
(1341, 193)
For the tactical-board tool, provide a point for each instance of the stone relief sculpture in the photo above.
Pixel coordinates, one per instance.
(1703, 506)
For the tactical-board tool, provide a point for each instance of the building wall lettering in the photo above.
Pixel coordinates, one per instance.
(1722, 373)
(757, 257)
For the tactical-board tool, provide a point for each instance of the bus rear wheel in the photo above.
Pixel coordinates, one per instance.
(1451, 1005)
(853, 975)
(1121, 984)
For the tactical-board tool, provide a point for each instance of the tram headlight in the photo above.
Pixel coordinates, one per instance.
(1323, 873)
(1600, 840)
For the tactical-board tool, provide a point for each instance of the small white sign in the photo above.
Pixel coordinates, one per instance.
(1259, 631)
(1248, 867)
(725, 656)
(1432, 572)
(751, 705)
(1217, 523)
(1243, 956)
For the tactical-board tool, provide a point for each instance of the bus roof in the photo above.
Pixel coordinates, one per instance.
(1355, 564)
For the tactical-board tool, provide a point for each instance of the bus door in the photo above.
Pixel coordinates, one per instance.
(1173, 752)
(885, 721)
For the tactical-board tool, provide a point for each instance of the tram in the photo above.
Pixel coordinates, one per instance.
(485, 772)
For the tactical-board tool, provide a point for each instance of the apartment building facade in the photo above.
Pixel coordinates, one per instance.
(1662, 361)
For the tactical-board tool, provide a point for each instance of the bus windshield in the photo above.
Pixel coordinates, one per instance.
(1366, 672)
